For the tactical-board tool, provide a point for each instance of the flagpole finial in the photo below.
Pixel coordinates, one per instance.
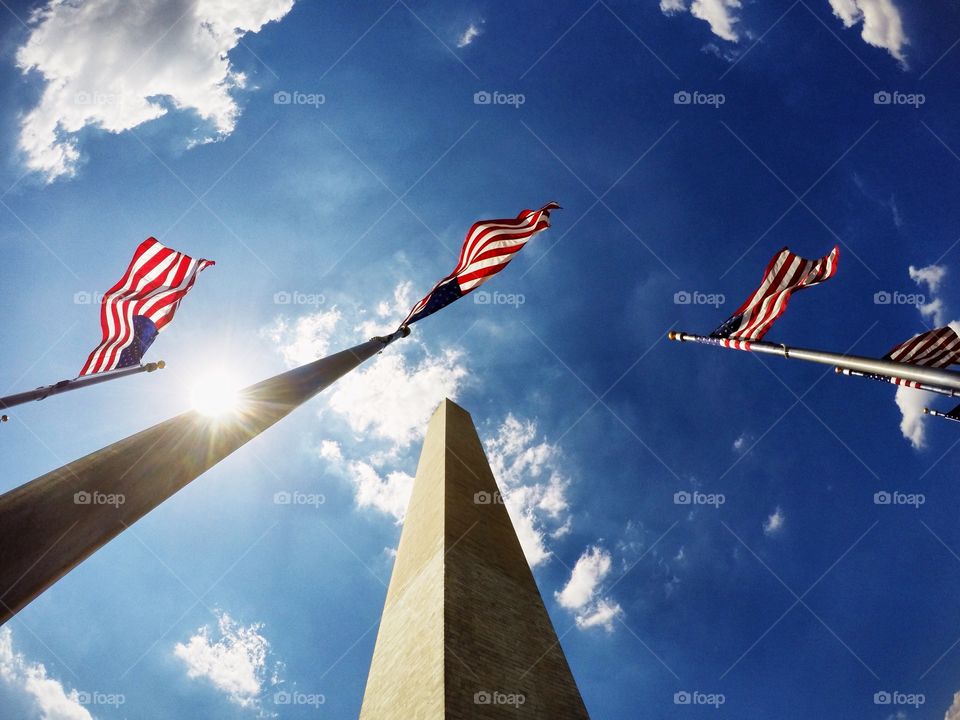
(926, 411)
(159, 365)
(673, 335)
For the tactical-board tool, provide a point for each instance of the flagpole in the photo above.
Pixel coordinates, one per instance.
(933, 377)
(894, 381)
(936, 413)
(51, 524)
(63, 386)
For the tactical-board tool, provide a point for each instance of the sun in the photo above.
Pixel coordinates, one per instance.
(216, 395)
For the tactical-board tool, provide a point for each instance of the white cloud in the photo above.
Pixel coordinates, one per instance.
(305, 339)
(774, 523)
(390, 494)
(389, 313)
(582, 593)
(393, 398)
(911, 403)
(720, 14)
(882, 24)
(931, 276)
(42, 696)
(473, 31)
(740, 443)
(330, 450)
(115, 66)
(600, 615)
(668, 7)
(235, 662)
(534, 486)
(953, 712)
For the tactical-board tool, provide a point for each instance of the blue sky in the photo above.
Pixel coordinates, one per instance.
(797, 597)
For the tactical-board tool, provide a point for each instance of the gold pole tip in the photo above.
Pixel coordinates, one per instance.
(672, 335)
(926, 411)
(161, 364)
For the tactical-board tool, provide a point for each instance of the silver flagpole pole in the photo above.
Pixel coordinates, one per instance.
(65, 385)
(945, 416)
(89, 501)
(893, 381)
(932, 377)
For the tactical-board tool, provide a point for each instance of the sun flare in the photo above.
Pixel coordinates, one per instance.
(216, 395)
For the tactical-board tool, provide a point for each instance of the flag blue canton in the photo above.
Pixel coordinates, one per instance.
(441, 296)
(144, 333)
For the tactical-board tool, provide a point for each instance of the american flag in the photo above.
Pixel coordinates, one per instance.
(937, 348)
(785, 274)
(138, 307)
(489, 246)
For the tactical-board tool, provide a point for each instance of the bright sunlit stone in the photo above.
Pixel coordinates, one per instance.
(216, 395)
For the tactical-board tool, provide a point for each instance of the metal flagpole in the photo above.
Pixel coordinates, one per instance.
(65, 385)
(51, 524)
(893, 381)
(952, 415)
(932, 377)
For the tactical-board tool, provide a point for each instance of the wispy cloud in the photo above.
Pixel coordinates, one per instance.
(34, 693)
(882, 24)
(473, 31)
(953, 712)
(911, 401)
(719, 14)
(774, 522)
(388, 492)
(233, 659)
(393, 398)
(529, 470)
(305, 338)
(156, 56)
(582, 594)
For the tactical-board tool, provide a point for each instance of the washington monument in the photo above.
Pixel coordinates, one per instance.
(464, 633)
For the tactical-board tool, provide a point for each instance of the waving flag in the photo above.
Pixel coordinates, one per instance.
(139, 306)
(937, 348)
(489, 246)
(785, 274)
